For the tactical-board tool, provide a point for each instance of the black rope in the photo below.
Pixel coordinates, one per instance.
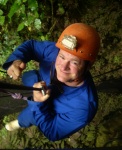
(17, 87)
(107, 72)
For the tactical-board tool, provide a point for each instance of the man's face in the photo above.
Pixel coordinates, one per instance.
(69, 68)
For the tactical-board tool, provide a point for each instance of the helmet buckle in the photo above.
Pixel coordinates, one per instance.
(69, 41)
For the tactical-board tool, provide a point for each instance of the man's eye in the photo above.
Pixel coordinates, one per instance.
(75, 63)
(61, 57)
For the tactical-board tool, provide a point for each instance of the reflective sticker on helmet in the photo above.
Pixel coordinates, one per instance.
(69, 41)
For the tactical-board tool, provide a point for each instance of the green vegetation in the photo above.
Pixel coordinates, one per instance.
(21, 20)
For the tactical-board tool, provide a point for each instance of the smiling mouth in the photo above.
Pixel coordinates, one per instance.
(65, 73)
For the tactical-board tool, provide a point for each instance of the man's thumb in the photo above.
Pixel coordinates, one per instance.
(22, 65)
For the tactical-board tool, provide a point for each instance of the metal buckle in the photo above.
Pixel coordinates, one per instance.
(69, 41)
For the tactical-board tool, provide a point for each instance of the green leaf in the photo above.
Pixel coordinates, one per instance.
(32, 4)
(37, 24)
(62, 144)
(42, 38)
(117, 59)
(13, 9)
(30, 19)
(90, 136)
(60, 10)
(3, 2)
(24, 1)
(22, 9)
(1, 12)
(2, 20)
(21, 26)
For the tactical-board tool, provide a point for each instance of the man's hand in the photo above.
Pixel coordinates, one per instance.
(38, 96)
(16, 68)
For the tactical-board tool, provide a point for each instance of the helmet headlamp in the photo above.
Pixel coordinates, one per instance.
(69, 41)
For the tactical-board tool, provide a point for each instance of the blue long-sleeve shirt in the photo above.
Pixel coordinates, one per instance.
(63, 113)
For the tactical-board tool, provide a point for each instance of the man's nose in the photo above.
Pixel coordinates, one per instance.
(65, 65)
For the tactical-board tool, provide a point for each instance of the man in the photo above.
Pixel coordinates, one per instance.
(69, 101)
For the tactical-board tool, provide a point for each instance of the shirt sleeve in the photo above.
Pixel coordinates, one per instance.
(31, 50)
(56, 126)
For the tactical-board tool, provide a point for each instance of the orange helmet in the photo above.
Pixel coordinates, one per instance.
(80, 40)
